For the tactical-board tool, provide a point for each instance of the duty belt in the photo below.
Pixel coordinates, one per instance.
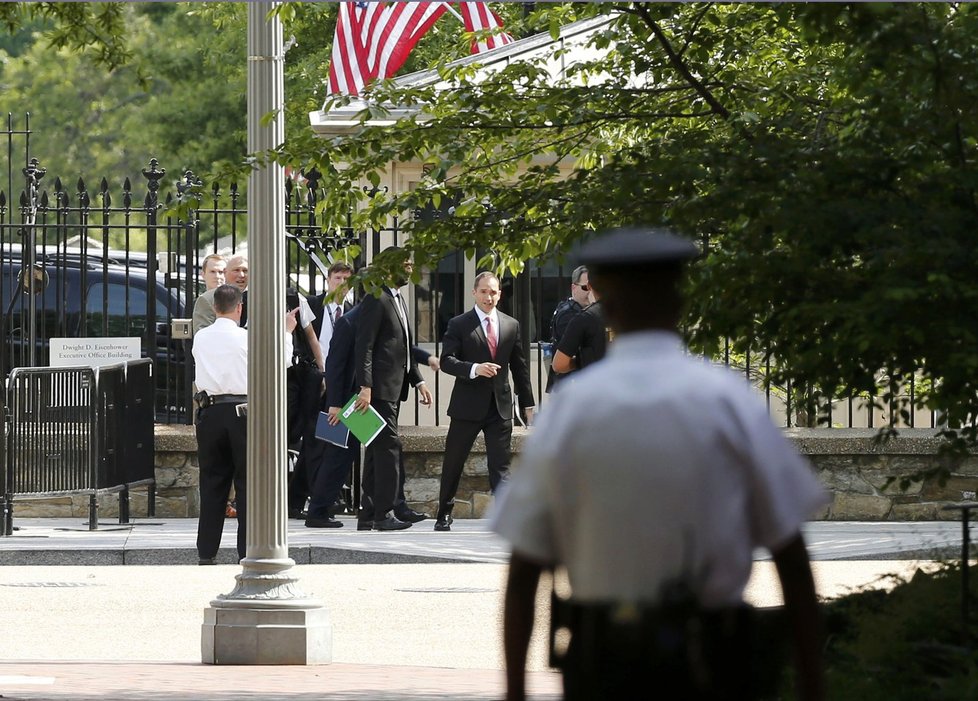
(228, 398)
(205, 400)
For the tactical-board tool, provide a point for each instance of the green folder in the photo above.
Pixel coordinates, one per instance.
(366, 426)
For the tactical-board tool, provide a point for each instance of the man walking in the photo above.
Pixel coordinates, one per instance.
(481, 348)
(337, 462)
(385, 368)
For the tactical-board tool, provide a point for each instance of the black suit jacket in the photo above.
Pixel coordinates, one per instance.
(382, 361)
(341, 380)
(464, 345)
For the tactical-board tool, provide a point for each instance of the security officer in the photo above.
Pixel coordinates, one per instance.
(565, 312)
(651, 480)
(221, 359)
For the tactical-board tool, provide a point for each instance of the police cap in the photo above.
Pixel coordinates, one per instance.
(635, 247)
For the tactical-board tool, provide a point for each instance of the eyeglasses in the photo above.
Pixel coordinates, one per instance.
(586, 288)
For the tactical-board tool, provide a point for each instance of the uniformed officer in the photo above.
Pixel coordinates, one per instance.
(221, 360)
(651, 480)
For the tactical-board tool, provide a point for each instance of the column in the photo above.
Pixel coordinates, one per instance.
(266, 618)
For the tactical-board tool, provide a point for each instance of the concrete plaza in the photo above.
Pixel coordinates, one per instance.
(415, 615)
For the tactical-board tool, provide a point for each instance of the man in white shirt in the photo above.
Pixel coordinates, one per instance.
(324, 311)
(651, 479)
(221, 359)
(331, 304)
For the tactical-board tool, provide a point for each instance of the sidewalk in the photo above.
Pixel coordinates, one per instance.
(59, 541)
(420, 618)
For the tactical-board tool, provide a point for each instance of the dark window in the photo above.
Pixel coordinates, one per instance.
(122, 314)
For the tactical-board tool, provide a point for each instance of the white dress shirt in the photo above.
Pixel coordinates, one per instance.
(653, 466)
(482, 322)
(221, 357)
(326, 333)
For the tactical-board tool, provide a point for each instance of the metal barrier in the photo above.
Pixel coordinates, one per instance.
(138, 446)
(68, 431)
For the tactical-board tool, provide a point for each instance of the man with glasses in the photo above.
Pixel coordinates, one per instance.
(565, 312)
(585, 340)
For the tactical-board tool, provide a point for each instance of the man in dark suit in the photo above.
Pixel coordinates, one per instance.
(477, 349)
(326, 309)
(385, 369)
(337, 462)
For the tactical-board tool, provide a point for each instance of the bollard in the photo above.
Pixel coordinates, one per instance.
(965, 508)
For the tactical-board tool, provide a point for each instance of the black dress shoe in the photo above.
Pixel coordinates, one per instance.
(328, 522)
(391, 523)
(444, 523)
(365, 525)
(411, 516)
(206, 561)
(297, 513)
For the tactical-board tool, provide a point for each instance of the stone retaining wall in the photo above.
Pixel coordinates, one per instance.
(863, 476)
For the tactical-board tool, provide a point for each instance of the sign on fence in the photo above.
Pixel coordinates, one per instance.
(93, 352)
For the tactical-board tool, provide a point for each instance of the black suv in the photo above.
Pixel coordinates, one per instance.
(77, 296)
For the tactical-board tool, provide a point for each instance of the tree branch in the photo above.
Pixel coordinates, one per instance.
(676, 61)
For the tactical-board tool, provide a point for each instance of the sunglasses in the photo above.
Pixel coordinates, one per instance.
(586, 288)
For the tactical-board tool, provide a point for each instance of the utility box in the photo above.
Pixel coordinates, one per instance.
(181, 328)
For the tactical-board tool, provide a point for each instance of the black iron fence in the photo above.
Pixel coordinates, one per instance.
(110, 262)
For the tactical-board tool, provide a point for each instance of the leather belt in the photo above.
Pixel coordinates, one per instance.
(228, 398)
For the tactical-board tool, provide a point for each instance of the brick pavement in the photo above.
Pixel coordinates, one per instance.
(146, 681)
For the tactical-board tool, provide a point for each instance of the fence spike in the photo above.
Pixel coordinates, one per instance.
(313, 176)
(81, 185)
(106, 199)
(3, 198)
(58, 187)
(44, 199)
(23, 199)
(154, 174)
(104, 185)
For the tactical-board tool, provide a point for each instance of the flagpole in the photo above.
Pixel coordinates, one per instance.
(454, 12)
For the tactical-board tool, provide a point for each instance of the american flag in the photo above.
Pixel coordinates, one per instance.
(478, 17)
(373, 40)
